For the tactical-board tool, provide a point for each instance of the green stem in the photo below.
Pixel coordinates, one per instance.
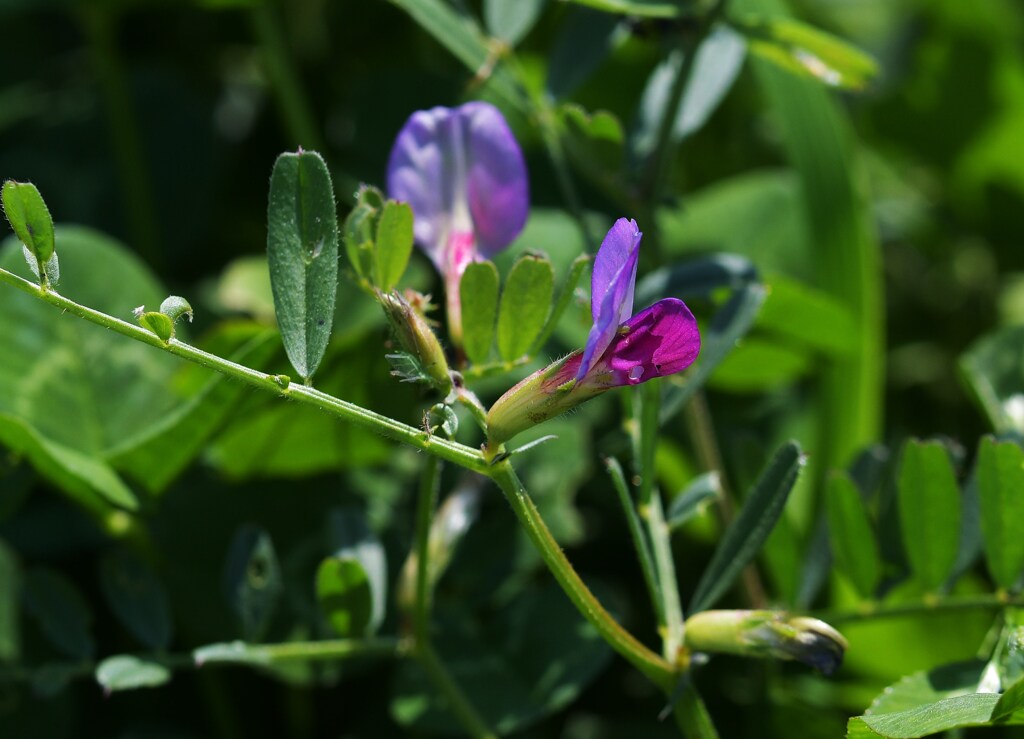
(669, 585)
(640, 541)
(448, 450)
(692, 716)
(660, 672)
(429, 485)
(457, 702)
(950, 604)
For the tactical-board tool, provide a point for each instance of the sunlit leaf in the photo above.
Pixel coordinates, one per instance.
(525, 304)
(127, 672)
(479, 293)
(1000, 480)
(343, 591)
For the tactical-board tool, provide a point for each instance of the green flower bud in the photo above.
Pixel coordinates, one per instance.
(419, 341)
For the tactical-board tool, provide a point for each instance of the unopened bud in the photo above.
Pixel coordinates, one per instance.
(418, 340)
(767, 634)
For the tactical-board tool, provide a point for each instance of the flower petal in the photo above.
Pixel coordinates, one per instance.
(658, 341)
(611, 300)
(497, 186)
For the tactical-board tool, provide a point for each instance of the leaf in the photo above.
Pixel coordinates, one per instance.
(10, 585)
(929, 686)
(511, 20)
(57, 371)
(343, 591)
(1000, 480)
(252, 580)
(693, 499)
(808, 317)
(137, 598)
(29, 217)
(993, 368)
(851, 536)
(929, 506)
(394, 244)
(302, 251)
(949, 713)
(158, 324)
(639, 8)
(594, 142)
(127, 672)
(715, 68)
(525, 304)
(584, 40)
(743, 539)
(1011, 701)
(531, 660)
(478, 291)
(809, 52)
(60, 610)
(565, 296)
(351, 538)
(757, 364)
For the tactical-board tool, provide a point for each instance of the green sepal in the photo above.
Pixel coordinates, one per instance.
(159, 323)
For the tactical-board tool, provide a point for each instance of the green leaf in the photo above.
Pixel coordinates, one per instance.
(693, 499)
(127, 672)
(343, 591)
(929, 506)
(394, 244)
(594, 142)
(30, 218)
(993, 368)
(478, 291)
(715, 68)
(10, 585)
(528, 661)
(757, 365)
(57, 371)
(175, 307)
(1011, 701)
(252, 580)
(565, 297)
(137, 598)
(158, 323)
(302, 251)
(511, 20)
(743, 539)
(525, 304)
(585, 39)
(1000, 480)
(949, 713)
(808, 317)
(351, 538)
(808, 52)
(929, 686)
(60, 610)
(359, 231)
(851, 536)
(639, 8)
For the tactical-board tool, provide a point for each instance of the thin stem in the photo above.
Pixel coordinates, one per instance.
(949, 604)
(692, 716)
(429, 485)
(457, 702)
(660, 672)
(448, 450)
(658, 530)
(702, 432)
(640, 541)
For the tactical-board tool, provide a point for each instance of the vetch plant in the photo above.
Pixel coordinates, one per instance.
(462, 172)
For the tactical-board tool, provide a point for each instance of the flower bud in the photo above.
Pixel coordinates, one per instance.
(767, 634)
(419, 341)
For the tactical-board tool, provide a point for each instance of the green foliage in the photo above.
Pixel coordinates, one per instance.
(127, 672)
(343, 590)
(851, 536)
(60, 611)
(1000, 476)
(252, 580)
(30, 218)
(137, 598)
(302, 248)
(525, 304)
(393, 244)
(479, 292)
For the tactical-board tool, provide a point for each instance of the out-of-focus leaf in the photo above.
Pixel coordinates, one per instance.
(252, 580)
(60, 610)
(302, 250)
(127, 672)
(137, 598)
(715, 68)
(639, 8)
(525, 304)
(993, 368)
(807, 317)
(10, 586)
(929, 505)
(1000, 480)
(960, 711)
(693, 499)
(929, 686)
(594, 143)
(807, 51)
(851, 536)
(244, 287)
(351, 538)
(394, 244)
(756, 365)
(343, 590)
(584, 40)
(511, 20)
(532, 660)
(743, 539)
(479, 293)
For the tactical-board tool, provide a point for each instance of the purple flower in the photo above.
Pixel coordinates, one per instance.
(622, 349)
(462, 172)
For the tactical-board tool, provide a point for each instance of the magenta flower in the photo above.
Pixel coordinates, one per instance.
(462, 172)
(622, 349)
